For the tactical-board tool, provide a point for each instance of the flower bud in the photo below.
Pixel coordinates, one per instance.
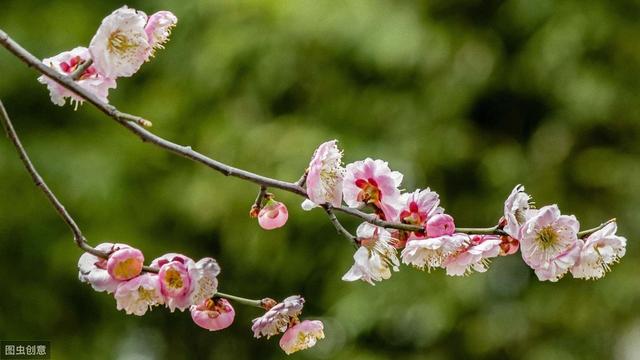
(440, 225)
(273, 215)
(125, 263)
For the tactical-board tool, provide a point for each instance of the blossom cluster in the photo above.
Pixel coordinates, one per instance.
(549, 242)
(125, 40)
(182, 283)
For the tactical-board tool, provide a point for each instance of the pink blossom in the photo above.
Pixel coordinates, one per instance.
(324, 179)
(273, 215)
(120, 46)
(91, 80)
(375, 257)
(139, 294)
(601, 249)
(556, 267)
(302, 336)
(440, 225)
(371, 182)
(473, 255)
(176, 284)
(213, 314)
(430, 253)
(549, 242)
(125, 263)
(159, 27)
(518, 209)
(419, 206)
(276, 319)
(93, 269)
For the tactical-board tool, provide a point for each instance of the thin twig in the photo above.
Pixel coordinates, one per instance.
(303, 179)
(261, 194)
(241, 300)
(341, 230)
(373, 219)
(135, 124)
(40, 183)
(79, 239)
(77, 73)
(482, 231)
(588, 232)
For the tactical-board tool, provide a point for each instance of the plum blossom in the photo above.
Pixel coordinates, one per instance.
(204, 279)
(371, 182)
(600, 250)
(518, 208)
(91, 80)
(125, 263)
(419, 206)
(121, 46)
(430, 253)
(273, 215)
(473, 255)
(93, 269)
(302, 336)
(559, 265)
(375, 257)
(213, 314)
(276, 319)
(139, 294)
(440, 225)
(325, 175)
(549, 243)
(158, 28)
(176, 284)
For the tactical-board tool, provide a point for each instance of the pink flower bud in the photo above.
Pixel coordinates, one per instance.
(440, 225)
(213, 314)
(125, 263)
(273, 215)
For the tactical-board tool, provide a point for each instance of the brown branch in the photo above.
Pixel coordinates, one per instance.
(341, 230)
(79, 239)
(135, 124)
(303, 179)
(39, 181)
(261, 195)
(77, 73)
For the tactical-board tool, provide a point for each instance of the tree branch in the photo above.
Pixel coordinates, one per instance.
(135, 124)
(79, 239)
(39, 182)
(341, 230)
(81, 69)
(585, 233)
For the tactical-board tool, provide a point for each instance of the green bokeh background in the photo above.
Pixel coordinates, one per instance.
(467, 97)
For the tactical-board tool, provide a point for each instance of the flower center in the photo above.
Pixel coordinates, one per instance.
(119, 43)
(173, 279)
(127, 269)
(145, 295)
(413, 215)
(370, 193)
(547, 237)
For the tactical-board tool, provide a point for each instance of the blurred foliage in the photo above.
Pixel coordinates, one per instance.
(468, 97)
